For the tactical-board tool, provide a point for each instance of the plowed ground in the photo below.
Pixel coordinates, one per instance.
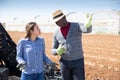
(102, 54)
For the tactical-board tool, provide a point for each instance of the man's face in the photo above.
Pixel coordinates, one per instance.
(61, 22)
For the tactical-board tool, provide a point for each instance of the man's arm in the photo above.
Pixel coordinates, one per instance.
(55, 45)
(57, 48)
(87, 27)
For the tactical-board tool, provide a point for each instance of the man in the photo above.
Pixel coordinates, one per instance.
(68, 44)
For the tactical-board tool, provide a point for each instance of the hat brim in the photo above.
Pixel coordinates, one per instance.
(57, 19)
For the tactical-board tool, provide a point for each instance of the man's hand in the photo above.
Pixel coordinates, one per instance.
(60, 50)
(21, 66)
(89, 22)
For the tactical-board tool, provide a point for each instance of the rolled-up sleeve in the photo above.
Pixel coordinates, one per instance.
(85, 29)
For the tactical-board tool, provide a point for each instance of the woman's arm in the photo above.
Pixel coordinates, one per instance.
(19, 56)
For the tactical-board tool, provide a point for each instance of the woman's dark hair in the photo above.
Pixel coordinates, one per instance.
(29, 27)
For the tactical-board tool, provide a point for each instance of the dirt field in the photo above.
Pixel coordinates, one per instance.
(102, 54)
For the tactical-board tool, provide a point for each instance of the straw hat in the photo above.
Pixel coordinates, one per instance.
(57, 15)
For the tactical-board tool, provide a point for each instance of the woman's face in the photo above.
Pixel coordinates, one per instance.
(36, 31)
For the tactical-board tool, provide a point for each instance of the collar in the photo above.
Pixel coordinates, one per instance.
(28, 39)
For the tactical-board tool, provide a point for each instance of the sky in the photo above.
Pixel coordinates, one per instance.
(27, 8)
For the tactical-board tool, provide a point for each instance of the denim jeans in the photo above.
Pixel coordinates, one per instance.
(72, 70)
(38, 76)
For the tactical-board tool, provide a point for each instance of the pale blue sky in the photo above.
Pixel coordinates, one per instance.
(46, 7)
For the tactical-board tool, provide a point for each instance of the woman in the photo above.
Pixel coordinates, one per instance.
(31, 54)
